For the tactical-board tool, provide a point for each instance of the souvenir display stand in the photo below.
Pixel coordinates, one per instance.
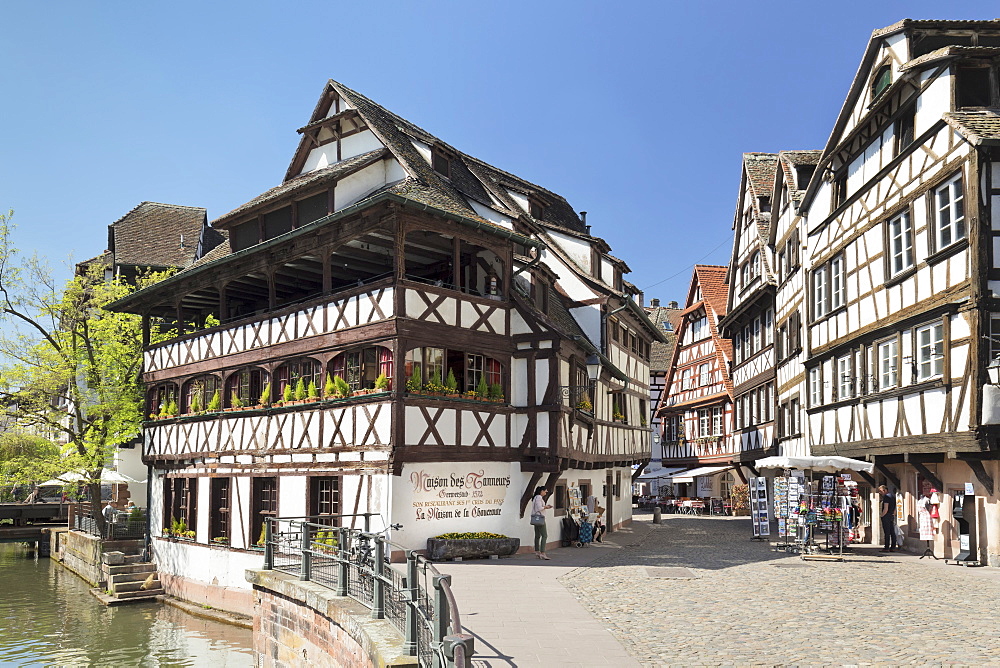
(787, 492)
(582, 517)
(759, 508)
(816, 519)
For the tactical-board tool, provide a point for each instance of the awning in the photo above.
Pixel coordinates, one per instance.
(107, 476)
(689, 476)
(824, 464)
(659, 473)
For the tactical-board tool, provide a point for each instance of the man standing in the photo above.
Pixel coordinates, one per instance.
(887, 511)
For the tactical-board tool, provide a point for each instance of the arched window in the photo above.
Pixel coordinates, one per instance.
(247, 384)
(160, 395)
(468, 368)
(881, 81)
(290, 372)
(360, 368)
(200, 389)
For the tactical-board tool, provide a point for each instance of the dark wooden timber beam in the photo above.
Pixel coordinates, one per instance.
(527, 495)
(752, 469)
(742, 475)
(927, 473)
(638, 471)
(884, 470)
(985, 479)
(869, 478)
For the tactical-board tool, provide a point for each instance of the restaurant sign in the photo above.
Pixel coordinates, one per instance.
(450, 492)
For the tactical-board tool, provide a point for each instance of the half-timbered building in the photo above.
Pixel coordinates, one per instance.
(749, 320)
(903, 267)
(696, 408)
(785, 237)
(668, 319)
(396, 328)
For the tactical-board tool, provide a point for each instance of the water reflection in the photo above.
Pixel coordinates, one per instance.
(48, 617)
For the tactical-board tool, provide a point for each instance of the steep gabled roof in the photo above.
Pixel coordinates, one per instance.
(660, 353)
(158, 235)
(714, 289)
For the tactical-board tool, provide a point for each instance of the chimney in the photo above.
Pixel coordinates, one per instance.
(583, 218)
(182, 242)
(672, 305)
(655, 303)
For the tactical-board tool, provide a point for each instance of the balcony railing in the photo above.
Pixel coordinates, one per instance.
(119, 525)
(417, 600)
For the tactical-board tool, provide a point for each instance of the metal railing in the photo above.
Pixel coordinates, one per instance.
(416, 599)
(120, 526)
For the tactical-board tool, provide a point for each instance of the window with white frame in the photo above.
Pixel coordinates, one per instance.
(930, 351)
(837, 290)
(815, 387)
(845, 378)
(756, 334)
(768, 327)
(888, 363)
(717, 414)
(994, 336)
(738, 346)
(900, 243)
(704, 375)
(949, 212)
(704, 422)
(820, 290)
(793, 417)
(686, 379)
(747, 335)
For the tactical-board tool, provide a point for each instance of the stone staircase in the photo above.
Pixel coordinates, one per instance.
(126, 574)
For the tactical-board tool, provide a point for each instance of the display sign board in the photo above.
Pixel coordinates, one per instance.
(759, 508)
(450, 492)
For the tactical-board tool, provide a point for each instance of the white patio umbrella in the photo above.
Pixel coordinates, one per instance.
(824, 464)
(107, 475)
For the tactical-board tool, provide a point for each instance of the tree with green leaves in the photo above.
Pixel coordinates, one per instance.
(68, 366)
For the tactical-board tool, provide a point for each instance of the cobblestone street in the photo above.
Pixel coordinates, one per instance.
(744, 604)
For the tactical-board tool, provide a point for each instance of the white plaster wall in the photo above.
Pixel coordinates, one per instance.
(292, 496)
(521, 199)
(577, 249)
(359, 143)
(519, 382)
(933, 102)
(359, 184)
(423, 149)
(240, 511)
(320, 157)
(491, 215)
(219, 567)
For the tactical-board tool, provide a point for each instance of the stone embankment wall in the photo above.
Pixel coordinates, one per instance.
(302, 623)
(81, 553)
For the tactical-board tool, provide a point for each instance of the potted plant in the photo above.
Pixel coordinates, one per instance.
(413, 384)
(235, 402)
(215, 403)
(288, 395)
(195, 406)
(451, 384)
(483, 389)
(262, 540)
(584, 404)
(616, 413)
(221, 540)
(300, 391)
(312, 394)
(265, 396)
(382, 383)
(343, 388)
(330, 388)
(496, 393)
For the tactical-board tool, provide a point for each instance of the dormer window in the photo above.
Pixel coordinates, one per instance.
(764, 204)
(536, 209)
(881, 81)
(441, 162)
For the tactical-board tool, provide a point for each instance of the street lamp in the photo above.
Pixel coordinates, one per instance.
(993, 370)
(594, 366)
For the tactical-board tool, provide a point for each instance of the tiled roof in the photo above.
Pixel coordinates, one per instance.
(791, 159)
(304, 182)
(660, 353)
(940, 24)
(157, 235)
(950, 51)
(714, 289)
(760, 172)
(976, 126)
(471, 178)
(220, 250)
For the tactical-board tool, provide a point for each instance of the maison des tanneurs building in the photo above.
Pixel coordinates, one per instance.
(396, 263)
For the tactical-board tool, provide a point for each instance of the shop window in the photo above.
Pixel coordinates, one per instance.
(324, 500)
(361, 368)
(220, 495)
(289, 373)
(180, 499)
(198, 392)
(247, 384)
(264, 492)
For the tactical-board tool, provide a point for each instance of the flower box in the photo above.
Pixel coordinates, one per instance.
(470, 548)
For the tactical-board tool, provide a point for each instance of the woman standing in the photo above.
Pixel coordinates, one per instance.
(538, 507)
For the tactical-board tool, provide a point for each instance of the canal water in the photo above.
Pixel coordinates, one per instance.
(49, 618)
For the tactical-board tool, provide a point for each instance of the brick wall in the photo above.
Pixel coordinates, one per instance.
(288, 633)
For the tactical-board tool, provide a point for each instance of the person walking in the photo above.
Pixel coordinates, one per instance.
(887, 512)
(538, 508)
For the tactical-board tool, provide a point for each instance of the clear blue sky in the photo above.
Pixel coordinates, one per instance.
(636, 112)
